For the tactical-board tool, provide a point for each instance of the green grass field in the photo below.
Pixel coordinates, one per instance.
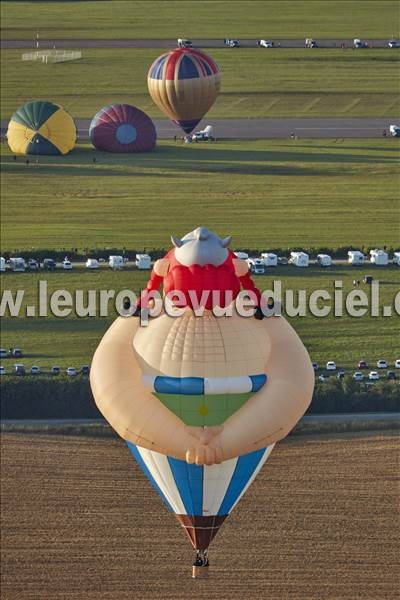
(71, 341)
(255, 83)
(266, 193)
(207, 19)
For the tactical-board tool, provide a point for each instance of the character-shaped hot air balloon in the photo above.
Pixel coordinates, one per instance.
(201, 400)
(184, 84)
(122, 128)
(41, 128)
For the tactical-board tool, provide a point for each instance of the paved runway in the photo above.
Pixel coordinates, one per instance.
(203, 43)
(269, 128)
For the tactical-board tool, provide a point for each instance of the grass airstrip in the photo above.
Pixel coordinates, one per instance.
(208, 19)
(256, 82)
(266, 193)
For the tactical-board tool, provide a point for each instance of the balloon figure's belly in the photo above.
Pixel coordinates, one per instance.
(202, 401)
(190, 491)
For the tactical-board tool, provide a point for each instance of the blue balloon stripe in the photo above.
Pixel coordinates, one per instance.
(245, 467)
(257, 382)
(189, 481)
(195, 386)
(148, 474)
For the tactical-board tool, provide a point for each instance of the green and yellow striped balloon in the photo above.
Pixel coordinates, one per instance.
(41, 128)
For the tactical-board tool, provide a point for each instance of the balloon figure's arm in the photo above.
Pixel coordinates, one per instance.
(274, 410)
(132, 410)
(242, 271)
(159, 271)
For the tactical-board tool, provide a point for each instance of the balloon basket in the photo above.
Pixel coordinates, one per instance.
(199, 572)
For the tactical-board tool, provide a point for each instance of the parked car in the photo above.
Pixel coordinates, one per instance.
(92, 263)
(362, 364)
(373, 376)
(323, 377)
(49, 264)
(397, 363)
(3, 353)
(2, 370)
(360, 43)
(71, 372)
(35, 370)
(315, 366)
(55, 370)
(85, 370)
(331, 365)
(394, 130)
(358, 376)
(229, 43)
(184, 43)
(265, 43)
(382, 364)
(33, 264)
(391, 375)
(16, 352)
(19, 369)
(311, 43)
(67, 264)
(282, 260)
(340, 374)
(394, 44)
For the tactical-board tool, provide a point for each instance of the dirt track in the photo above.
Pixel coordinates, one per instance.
(79, 521)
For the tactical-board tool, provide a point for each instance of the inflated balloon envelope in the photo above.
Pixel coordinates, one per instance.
(201, 400)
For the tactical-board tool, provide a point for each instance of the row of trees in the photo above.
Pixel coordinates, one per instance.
(41, 398)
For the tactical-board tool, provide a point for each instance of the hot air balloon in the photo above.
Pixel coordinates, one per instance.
(122, 128)
(201, 400)
(41, 128)
(184, 84)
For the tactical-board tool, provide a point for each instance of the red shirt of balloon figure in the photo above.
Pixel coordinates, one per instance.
(203, 270)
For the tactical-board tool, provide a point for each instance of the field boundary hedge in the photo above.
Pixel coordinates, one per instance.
(41, 397)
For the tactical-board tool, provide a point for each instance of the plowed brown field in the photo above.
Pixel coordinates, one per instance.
(80, 521)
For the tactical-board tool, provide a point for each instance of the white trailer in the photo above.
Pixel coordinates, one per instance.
(355, 257)
(143, 261)
(2, 264)
(17, 265)
(270, 259)
(379, 257)
(242, 255)
(116, 262)
(324, 260)
(299, 259)
(396, 258)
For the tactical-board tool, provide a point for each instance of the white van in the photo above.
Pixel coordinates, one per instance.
(92, 263)
(396, 258)
(17, 265)
(2, 264)
(324, 260)
(143, 261)
(116, 262)
(256, 266)
(270, 259)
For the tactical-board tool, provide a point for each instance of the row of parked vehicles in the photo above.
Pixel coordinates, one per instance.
(19, 369)
(265, 43)
(19, 265)
(257, 265)
(359, 374)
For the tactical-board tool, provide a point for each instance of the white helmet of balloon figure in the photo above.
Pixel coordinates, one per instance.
(201, 247)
